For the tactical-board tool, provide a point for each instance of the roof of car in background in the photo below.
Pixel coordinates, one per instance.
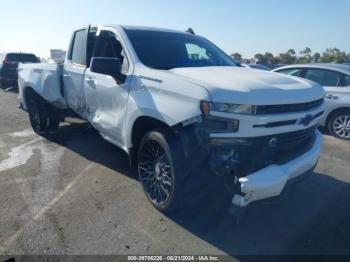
(338, 67)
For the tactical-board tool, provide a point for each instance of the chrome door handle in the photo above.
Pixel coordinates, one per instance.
(90, 80)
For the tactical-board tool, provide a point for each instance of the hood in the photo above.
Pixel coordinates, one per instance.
(251, 86)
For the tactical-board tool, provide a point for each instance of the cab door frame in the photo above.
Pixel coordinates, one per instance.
(106, 100)
(73, 76)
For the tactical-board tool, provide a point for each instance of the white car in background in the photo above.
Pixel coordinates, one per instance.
(335, 78)
(256, 66)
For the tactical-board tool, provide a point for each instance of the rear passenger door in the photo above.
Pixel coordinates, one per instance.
(74, 70)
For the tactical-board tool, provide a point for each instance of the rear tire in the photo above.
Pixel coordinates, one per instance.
(162, 169)
(42, 117)
(338, 124)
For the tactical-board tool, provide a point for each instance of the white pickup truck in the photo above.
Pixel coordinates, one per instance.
(178, 106)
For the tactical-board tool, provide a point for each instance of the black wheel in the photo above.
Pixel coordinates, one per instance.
(161, 168)
(42, 117)
(339, 124)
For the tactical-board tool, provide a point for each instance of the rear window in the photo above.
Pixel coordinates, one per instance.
(323, 77)
(24, 58)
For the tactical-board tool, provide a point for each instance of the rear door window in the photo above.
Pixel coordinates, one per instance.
(323, 77)
(78, 55)
(23, 58)
(346, 80)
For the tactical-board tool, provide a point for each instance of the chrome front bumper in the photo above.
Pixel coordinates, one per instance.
(270, 181)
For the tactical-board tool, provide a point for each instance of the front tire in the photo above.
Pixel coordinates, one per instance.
(339, 124)
(42, 117)
(162, 169)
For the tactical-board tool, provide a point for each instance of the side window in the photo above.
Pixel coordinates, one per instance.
(291, 71)
(108, 46)
(346, 80)
(195, 52)
(91, 42)
(323, 77)
(78, 55)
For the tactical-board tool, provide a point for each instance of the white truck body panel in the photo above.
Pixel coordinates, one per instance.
(255, 87)
(44, 79)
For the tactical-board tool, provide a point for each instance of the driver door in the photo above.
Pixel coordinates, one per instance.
(106, 97)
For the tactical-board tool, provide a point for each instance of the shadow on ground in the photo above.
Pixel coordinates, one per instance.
(311, 217)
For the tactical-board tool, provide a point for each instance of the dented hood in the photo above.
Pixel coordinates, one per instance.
(251, 86)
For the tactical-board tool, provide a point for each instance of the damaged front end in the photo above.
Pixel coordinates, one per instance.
(257, 167)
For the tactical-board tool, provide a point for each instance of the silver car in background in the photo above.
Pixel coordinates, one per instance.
(335, 78)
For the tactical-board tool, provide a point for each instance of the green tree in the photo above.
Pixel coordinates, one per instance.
(334, 55)
(237, 57)
(316, 57)
(260, 59)
(289, 57)
(305, 56)
(269, 58)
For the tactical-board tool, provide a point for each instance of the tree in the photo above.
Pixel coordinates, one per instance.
(306, 52)
(305, 56)
(237, 57)
(316, 57)
(269, 58)
(289, 57)
(260, 59)
(334, 55)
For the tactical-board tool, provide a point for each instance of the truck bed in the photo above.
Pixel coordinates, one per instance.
(45, 79)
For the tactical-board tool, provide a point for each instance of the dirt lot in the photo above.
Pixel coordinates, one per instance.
(77, 195)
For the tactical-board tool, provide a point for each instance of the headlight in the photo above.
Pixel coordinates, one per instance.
(229, 108)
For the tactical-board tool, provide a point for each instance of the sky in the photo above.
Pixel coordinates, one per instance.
(244, 26)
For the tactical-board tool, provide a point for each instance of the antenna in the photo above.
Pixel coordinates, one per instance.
(190, 30)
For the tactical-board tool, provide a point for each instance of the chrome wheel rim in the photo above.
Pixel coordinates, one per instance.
(155, 172)
(341, 126)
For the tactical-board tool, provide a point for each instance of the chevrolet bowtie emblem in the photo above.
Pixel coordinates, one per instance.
(306, 120)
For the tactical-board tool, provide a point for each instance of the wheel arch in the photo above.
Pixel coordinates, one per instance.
(140, 127)
(27, 92)
(335, 111)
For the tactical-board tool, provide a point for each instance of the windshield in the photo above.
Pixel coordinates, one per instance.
(168, 50)
(21, 58)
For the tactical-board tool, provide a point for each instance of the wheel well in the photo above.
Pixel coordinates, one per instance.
(141, 126)
(335, 111)
(29, 93)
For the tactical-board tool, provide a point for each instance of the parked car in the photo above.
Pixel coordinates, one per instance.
(179, 106)
(256, 66)
(335, 78)
(8, 67)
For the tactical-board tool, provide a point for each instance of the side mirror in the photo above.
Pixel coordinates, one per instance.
(106, 66)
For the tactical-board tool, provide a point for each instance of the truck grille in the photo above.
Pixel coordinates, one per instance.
(262, 152)
(288, 108)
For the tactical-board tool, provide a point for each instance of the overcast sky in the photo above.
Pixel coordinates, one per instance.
(244, 26)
